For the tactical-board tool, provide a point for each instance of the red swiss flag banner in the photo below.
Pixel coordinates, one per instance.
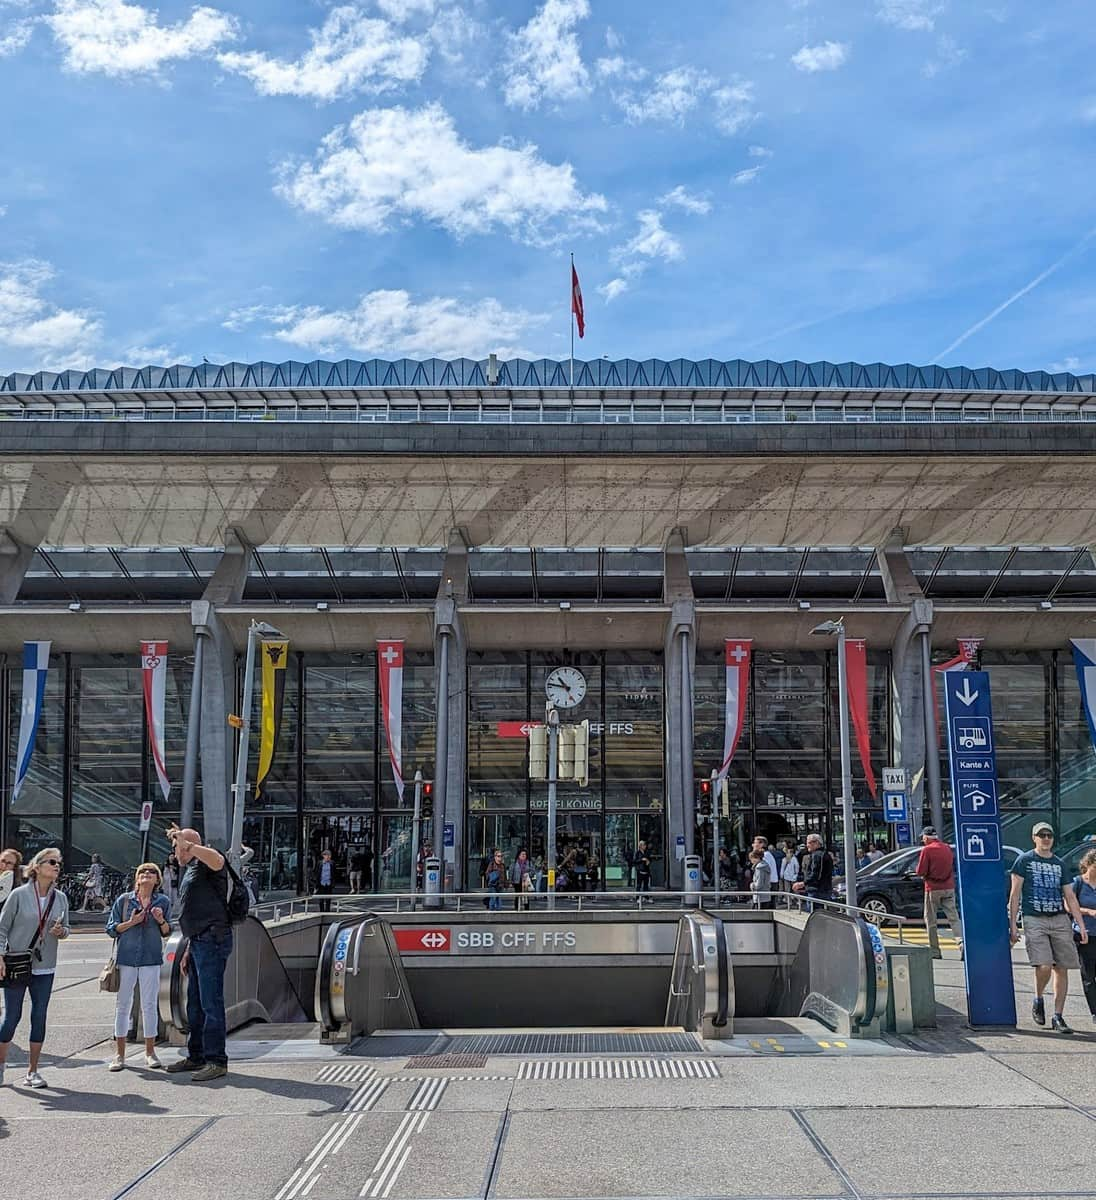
(736, 655)
(390, 677)
(856, 673)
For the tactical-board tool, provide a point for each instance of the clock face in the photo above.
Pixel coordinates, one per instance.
(565, 687)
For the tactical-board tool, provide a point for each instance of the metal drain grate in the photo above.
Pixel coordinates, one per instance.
(621, 1068)
(381, 1046)
(575, 1043)
(419, 1061)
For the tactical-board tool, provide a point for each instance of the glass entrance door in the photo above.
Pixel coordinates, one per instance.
(346, 835)
(578, 836)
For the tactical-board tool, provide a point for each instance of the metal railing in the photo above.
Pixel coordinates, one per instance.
(576, 414)
(623, 900)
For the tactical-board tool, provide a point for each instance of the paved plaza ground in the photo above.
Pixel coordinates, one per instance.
(943, 1113)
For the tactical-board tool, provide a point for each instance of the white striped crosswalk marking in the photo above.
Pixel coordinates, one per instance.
(625, 1068)
(394, 1156)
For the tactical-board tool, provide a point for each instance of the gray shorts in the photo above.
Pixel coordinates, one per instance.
(1049, 941)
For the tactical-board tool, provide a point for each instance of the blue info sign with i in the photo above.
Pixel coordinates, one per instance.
(987, 957)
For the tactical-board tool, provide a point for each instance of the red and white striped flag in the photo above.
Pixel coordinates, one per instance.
(390, 672)
(736, 655)
(154, 675)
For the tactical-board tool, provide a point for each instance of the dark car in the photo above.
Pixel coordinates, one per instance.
(888, 887)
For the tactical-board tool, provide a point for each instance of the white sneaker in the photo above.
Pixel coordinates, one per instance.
(34, 1080)
(152, 1062)
(117, 1063)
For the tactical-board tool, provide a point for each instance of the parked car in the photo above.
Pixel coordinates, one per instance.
(888, 887)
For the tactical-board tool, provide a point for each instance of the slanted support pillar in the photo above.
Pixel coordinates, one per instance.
(680, 661)
(210, 744)
(15, 559)
(451, 708)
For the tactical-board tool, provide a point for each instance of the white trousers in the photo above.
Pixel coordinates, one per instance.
(148, 978)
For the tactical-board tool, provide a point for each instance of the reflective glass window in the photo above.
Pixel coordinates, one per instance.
(340, 735)
(108, 739)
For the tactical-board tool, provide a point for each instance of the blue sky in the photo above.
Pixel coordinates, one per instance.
(894, 180)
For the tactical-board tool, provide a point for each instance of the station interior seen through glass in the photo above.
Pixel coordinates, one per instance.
(330, 785)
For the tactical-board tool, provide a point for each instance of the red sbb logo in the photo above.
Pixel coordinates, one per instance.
(516, 729)
(422, 941)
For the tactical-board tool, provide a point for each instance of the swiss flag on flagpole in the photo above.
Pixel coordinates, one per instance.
(576, 302)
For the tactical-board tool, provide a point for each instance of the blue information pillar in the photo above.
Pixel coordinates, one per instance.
(991, 999)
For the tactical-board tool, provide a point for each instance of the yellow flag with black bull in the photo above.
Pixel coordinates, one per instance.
(274, 658)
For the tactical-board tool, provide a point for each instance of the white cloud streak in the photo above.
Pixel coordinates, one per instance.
(912, 15)
(115, 38)
(1017, 295)
(394, 164)
(674, 94)
(350, 53)
(651, 242)
(545, 60)
(748, 175)
(15, 38)
(36, 334)
(679, 197)
(829, 56)
(391, 322)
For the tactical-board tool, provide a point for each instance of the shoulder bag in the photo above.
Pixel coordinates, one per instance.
(110, 978)
(17, 964)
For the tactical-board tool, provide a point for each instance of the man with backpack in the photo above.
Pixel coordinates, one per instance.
(206, 916)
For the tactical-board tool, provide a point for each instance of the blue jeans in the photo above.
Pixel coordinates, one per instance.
(39, 987)
(205, 997)
(494, 902)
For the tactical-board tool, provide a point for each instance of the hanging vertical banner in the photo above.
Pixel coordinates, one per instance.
(736, 656)
(274, 656)
(967, 657)
(35, 669)
(856, 675)
(1084, 658)
(154, 678)
(390, 679)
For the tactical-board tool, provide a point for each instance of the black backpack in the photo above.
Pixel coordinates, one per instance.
(238, 902)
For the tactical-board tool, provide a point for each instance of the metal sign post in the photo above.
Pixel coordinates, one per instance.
(991, 999)
(715, 841)
(416, 838)
(551, 719)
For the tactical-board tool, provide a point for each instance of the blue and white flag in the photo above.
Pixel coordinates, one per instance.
(35, 669)
(1084, 656)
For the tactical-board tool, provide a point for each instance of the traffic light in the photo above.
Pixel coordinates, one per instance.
(566, 752)
(427, 799)
(538, 752)
(705, 792)
(582, 753)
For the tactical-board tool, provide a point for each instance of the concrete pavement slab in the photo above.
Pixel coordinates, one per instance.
(1072, 1076)
(949, 1152)
(611, 1153)
(95, 1167)
(451, 1157)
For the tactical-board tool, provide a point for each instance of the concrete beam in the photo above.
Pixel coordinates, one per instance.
(218, 742)
(899, 582)
(15, 560)
(226, 586)
(676, 582)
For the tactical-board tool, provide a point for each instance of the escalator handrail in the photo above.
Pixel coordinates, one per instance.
(723, 969)
(325, 970)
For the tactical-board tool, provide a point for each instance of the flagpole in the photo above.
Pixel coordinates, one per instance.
(571, 312)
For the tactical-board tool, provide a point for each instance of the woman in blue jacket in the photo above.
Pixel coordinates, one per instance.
(140, 921)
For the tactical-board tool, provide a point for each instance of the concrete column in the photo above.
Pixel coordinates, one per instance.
(451, 708)
(679, 662)
(907, 705)
(217, 741)
(15, 559)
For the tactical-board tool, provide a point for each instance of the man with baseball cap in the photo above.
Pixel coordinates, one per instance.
(1041, 891)
(936, 866)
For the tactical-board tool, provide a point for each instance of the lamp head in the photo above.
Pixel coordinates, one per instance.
(828, 628)
(264, 629)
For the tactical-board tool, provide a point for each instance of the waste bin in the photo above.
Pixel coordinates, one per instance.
(432, 890)
(692, 881)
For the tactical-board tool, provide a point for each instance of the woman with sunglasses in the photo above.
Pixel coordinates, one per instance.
(35, 918)
(140, 921)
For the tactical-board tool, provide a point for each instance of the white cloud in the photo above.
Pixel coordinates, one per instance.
(828, 56)
(652, 241)
(403, 10)
(121, 39)
(615, 66)
(760, 152)
(913, 15)
(391, 322)
(16, 37)
(674, 94)
(545, 60)
(734, 107)
(680, 198)
(36, 334)
(613, 289)
(393, 164)
(1072, 364)
(948, 54)
(747, 176)
(350, 53)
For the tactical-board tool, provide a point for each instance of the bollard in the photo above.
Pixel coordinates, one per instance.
(432, 883)
(692, 881)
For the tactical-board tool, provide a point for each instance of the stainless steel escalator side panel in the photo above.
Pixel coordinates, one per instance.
(330, 992)
(701, 994)
(846, 973)
(360, 981)
(256, 987)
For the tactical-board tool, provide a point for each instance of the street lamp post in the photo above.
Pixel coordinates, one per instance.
(828, 629)
(256, 631)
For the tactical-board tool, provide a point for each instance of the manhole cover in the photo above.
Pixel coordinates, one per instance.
(446, 1060)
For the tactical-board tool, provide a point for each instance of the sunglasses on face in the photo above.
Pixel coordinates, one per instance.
(147, 872)
(51, 862)
(1044, 834)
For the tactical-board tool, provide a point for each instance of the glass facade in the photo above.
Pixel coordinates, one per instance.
(330, 783)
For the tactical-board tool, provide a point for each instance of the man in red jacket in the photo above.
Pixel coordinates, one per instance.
(936, 866)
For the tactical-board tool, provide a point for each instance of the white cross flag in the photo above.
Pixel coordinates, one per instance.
(736, 655)
(390, 681)
(35, 670)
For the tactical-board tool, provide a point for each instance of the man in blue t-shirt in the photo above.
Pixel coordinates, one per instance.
(1046, 898)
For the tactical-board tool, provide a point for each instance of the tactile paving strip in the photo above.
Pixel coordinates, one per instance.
(621, 1068)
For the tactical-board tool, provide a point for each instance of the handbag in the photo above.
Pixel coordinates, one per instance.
(16, 970)
(110, 978)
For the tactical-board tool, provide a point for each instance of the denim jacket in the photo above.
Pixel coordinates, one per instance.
(142, 945)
